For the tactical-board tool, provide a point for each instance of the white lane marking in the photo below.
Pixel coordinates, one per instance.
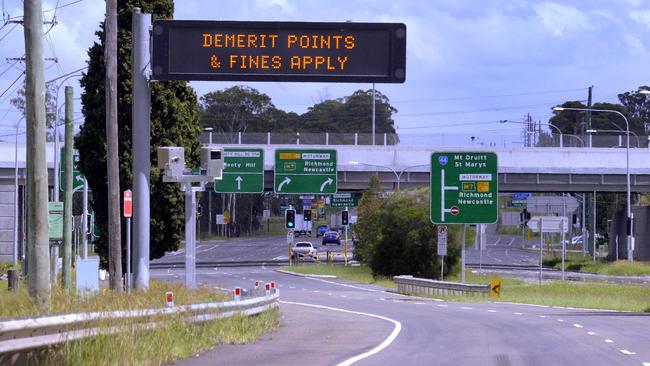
(646, 364)
(442, 306)
(291, 287)
(626, 352)
(591, 333)
(316, 291)
(511, 240)
(418, 303)
(466, 308)
(329, 293)
(492, 311)
(519, 314)
(344, 285)
(560, 320)
(380, 347)
(608, 341)
(359, 298)
(542, 316)
(577, 325)
(343, 296)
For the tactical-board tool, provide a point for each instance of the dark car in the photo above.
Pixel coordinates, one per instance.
(331, 237)
(322, 229)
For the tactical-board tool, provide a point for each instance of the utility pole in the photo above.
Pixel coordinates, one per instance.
(67, 202)
(589, 113)
(141, 136)
(37, 188)
(112, 151)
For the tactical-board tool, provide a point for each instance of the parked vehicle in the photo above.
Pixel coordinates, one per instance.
(331, 237)
(322, 229)
(303, 249)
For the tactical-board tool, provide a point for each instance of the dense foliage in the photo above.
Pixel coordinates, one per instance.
(174, 122)
(397, 237)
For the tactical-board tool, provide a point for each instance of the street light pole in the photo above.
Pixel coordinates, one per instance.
(629, 221)
(397, 175)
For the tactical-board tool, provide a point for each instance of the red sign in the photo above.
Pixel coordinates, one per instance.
(454, 210)
(128, 204)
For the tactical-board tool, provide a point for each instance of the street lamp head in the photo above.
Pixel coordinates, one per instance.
(591, 131)
(558, 109)
(207, 129)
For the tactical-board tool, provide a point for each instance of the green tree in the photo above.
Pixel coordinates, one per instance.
(174, 122)
(404, 240)
(50, 106)
(365, 227)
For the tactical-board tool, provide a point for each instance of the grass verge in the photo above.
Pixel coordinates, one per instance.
(576, 262)
(361, 274)
(174, 339)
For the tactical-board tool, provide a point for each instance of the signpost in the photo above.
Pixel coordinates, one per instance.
(77, 177)
(464, 190)
(309, 171)
(349, 199)
(442, 248)
(243, 171)
(128, 213)
(279, 51)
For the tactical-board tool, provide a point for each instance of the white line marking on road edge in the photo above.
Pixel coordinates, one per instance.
(560, 320)
(466, 308)
(626, 352)
(591, 333)
(577, 325)
(542, 316)
(492, 311)
(344, 285)
(646, 364)
(442, 306)
(519, 314)
(418, 303)
(380, 347)
(608, 341)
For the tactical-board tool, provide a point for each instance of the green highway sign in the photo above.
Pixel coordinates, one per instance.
(464, 188)
(55, 220)
(243, 171)
(77, 177)
(307, 171)
(349, 199)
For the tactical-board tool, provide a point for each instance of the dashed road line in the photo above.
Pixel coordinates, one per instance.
(542, 316)
(561, 320)
(519, 314)
(492, 311)
(608, 341)
(466, 308)
(577, 325)
(591, 333)
(626, 352)
(442, 305)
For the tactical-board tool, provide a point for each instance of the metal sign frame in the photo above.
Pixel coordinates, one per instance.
(391, 58)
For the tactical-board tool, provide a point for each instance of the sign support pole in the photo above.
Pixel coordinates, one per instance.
(128, 254)
(141, 111)
(84, 220)
(190, 235)
(563, 233)
(541, 247)
(462, 254)
(442, 268)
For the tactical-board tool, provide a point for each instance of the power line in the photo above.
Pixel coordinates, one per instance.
(9, 32)
(12, 84)
(62, 6)
(490, 96)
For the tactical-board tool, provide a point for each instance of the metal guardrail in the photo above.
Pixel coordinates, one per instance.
(21, 336)
(410, 285)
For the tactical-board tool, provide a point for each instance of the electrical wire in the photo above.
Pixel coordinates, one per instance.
(12, 84)
(62, 6)
(490, 96)
(9, 32)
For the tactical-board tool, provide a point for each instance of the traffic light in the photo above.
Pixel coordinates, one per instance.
(290, 219)
(344, 217)
(306, 215)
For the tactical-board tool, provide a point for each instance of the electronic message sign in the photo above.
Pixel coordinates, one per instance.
(279, 51)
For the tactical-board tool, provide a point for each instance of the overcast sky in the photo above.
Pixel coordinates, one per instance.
(469, 63)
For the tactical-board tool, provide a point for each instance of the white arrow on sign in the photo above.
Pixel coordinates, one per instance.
(239, 180)
(79, 178)
(286, 180)
(328, 181)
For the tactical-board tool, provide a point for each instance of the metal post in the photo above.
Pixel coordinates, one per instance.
(442, 268)
(190, 232)
(128, 254)
(67, 204)
(462, 253)
(373, 114)
(84, 220)
(141, 139)
(593, 226)
(541, 247)
(563, 233)
(239, 137)
(478, 239)
(583, 224)
(37, 187)
(15, 257)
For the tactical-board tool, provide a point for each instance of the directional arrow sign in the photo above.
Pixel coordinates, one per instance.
(305, 171)
(464, 188)
(77, 177)
(243, 171)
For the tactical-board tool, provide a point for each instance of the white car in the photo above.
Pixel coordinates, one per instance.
(303, 249)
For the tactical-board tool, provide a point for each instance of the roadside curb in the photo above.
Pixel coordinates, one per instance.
(304, 275)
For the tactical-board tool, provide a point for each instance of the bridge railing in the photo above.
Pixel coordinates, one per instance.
(468, 140)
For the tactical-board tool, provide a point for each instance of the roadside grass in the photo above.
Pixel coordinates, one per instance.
(567, 294)
(361, 274)
(576, 262)
(174, 340)
(19, 304)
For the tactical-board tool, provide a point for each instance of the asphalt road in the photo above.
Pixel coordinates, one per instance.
(329, 322)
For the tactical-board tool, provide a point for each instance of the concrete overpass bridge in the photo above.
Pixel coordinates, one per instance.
(520, 169)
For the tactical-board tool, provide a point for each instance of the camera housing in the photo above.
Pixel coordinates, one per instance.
(212, 161)
(171, 160)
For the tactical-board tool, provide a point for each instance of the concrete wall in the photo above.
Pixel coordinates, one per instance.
(618, 229)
